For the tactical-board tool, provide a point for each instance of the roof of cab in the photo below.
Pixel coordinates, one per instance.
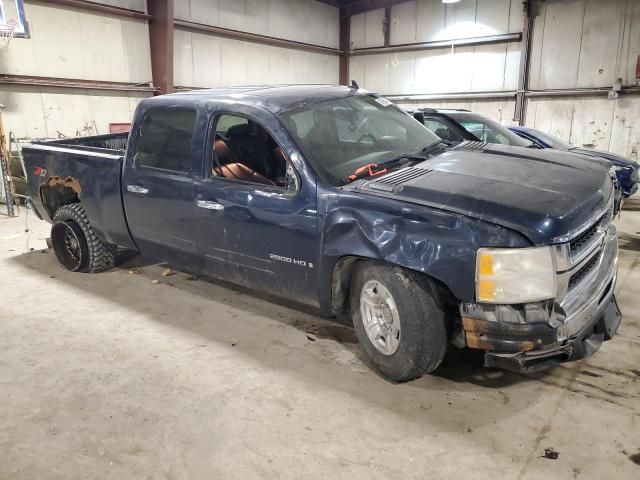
(275, 98)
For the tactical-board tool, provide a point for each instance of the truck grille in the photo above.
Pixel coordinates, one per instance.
(579, 243)
(587, 268)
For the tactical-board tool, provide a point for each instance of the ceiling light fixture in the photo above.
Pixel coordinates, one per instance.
(450, 1)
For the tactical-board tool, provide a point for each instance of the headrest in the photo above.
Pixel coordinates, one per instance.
(242, 130)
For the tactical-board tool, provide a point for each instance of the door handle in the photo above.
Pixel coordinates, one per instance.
(137, 189)
(210, 205)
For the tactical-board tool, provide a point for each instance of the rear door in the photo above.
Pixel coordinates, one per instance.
(158, 187)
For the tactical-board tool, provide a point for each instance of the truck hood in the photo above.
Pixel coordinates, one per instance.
(543, 194)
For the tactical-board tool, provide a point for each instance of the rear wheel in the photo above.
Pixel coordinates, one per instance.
(398, 319)
(75, 243)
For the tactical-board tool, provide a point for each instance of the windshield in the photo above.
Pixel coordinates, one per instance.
(489, 131)
(553, 142)
(340, 136)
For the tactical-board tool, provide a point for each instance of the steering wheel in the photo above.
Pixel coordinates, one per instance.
(367, 135)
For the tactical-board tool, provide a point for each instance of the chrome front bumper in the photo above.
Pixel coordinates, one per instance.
(536, 336)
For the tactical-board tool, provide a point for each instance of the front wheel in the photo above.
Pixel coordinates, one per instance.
(398, 319)
(76, 245)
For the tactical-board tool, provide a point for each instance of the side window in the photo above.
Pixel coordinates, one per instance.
(485, 133)
(164, 140)
(243, 150)
(442, 130)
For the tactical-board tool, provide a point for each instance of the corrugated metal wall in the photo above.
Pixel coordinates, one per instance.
(445, 70)
(581, 44)
(77, 44)
(73, 43)
(203, 60)
(576, 44)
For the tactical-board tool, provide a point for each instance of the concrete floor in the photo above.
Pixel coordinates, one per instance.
(116, 376)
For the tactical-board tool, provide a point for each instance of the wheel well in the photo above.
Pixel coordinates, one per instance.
(57, 192)
(341, 284)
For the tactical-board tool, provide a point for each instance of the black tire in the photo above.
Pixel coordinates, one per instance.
(76, 245)
(423, 332)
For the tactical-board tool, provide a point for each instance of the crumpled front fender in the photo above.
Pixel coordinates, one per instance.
(440, 244)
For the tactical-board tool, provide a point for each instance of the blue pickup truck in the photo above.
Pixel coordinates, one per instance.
(334, 197)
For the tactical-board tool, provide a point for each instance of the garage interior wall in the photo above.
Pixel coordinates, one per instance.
(442, 72)
(579, 44)
(576, 44)
(73, 43)
(203, 59)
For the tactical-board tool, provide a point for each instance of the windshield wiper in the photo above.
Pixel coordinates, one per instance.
(374, 169)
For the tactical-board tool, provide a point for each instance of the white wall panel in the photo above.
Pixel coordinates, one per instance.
(208, 61)
(403, 27)
(366, 29)
(593, 122)
(430, 17)
(300, 20)
(200, 11)
(35, 112)
(70, 43)
(585, 43)
(183, 70)
(468, 69)
(401, 73)
(603, 22)
(625, 130)
(376, 73)
(557, 65)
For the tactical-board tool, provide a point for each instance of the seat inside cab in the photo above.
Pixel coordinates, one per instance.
(245, 151)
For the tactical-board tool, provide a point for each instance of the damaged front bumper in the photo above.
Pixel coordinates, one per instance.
(537, 336)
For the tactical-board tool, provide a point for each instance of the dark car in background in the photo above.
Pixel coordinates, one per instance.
(626, 170)
(455, 126)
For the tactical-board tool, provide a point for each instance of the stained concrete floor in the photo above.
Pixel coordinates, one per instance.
(116, 376)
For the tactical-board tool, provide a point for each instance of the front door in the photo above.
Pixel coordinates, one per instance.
(256, 220)
(158, 188)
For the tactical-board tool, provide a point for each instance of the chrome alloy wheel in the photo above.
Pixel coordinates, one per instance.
(380, 317)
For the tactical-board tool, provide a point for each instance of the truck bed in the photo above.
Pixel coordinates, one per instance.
(89, 168)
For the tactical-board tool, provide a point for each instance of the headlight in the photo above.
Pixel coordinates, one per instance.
(515, 275)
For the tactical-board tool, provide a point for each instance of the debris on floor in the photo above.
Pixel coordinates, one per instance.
(551, 453)
(635, 457)
(167, 272)
(154, 282)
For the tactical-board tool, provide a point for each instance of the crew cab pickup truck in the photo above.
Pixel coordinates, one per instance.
(336, 198)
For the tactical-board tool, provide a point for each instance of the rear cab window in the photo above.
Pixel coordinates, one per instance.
(165, 139)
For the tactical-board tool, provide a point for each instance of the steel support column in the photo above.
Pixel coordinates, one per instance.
(525, 63)
(161, 43)
(344, 47)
